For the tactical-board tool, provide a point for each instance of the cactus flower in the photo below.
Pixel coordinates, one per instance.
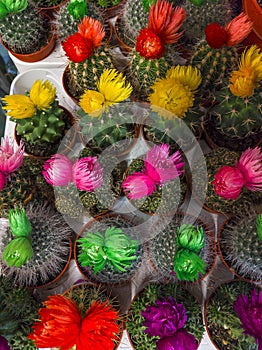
(92, 102)
(77, 48)
(250, 165)
(187, 265)
(92, 30)
(2, 181)
(19, 106)
(42, 94)
(250, 314)
(228, 182)
(87, 174)
(3, 343)
(138, 185)
(19, 223)
(17, 252)
(10, 159)
(149, 45)
(181, 340)
(57, 170)
(77, 9)
(190, 237)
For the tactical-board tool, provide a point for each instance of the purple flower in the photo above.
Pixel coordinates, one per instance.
(250, 314)
(58, 170)
(138, 185)
(87, 174)
(164, 318)
(181, 340)
(3, 343)
(2, 180)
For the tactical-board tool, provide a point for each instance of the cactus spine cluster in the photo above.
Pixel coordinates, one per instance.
(107, 3)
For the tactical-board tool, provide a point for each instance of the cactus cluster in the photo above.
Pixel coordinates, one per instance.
(50, 238)
(18, 311)
(25, 32)
(107, 3)
(241, 248)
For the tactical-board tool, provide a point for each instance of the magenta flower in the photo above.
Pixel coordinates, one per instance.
(228, 182)
(138, 185)
(87, 174)
(10, 159)
(181, 340)
(164, 318)
(250, 165)
(58, 170)
(250, 314)
(3, 343)
(160, 166)
(2, 180)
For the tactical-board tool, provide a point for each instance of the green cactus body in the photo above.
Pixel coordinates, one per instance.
(85, 75)
(214, 160)
(235, 122)
(148, 296)
(18, 311)
(25, 32)
(50, 239)
(241, 248)
(214, 64)
(107, 3)
(66, 25)
(198, 17)
(223, 322)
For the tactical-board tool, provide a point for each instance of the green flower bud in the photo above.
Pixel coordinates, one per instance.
(17, 252)
(3, 10)
(77, 9)
(19, 223)
(190, 237)
(187, 265)
(259, 227)
(14, 6)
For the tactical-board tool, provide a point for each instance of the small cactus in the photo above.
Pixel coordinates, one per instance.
(107, 3)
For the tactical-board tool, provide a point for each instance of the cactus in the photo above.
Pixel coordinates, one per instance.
(51, 248)
(148, 296)
(18, 310)
(119, 254)
(25, 32)
(234, 122)
(222, 321)
(107, 3)
(164, 247)
(214, 160)
(240, 247)
(46, 3)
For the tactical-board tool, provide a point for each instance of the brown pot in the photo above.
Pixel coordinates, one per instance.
(110, 12)
(108, 277)
(125, 48)
(51, 10)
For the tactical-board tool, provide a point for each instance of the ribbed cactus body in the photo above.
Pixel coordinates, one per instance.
(25, 32)
(241, 247)
(85, 75)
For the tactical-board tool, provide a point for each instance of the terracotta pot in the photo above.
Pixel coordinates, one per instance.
(162, 262)
(223, 332)
(110, 12)
(123, 45)
(51, 10)
(107, 276)
(148, 296)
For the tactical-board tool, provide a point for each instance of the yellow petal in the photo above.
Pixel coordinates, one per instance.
(186, 75)
(92, 102)
(42, 94)
(19, 106)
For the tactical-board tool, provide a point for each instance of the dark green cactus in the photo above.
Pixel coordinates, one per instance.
(18, 311)
(223, 322)
(241, 248)
(25, 32)
(148, 296)
(51, 248)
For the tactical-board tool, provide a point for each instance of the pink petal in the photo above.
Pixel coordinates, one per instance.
(58, 170)
(138, 185)
(228, 182)
(10, 159)
(2, 180)
(250, 165)
(87, 174)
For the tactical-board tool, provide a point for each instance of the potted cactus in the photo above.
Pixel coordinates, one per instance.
(35, 246)
(184, 249)
(234, 120)
(18, 311)
(107, 250)
(232, 316)
(152, 183)
(83, 317)
(24, 31)
(239, 245)
(165, 317)
(110, 8)
(233, 184)
(41, 123)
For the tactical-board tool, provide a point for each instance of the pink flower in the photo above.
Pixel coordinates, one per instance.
(181, 340)
(160, 166)
(2, 180)
(138, 185)
(87, 174)
(250, 165)
(228, 182)
(58, 170)
(10, 159)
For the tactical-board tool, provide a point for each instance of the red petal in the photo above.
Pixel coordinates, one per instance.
(149, 45)
(216, 36)
(77, 48)
(92, 30)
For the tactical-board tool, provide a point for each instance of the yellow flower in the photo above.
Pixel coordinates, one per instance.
(113, 86)
(171, 96)
(19, 106)
(247, 77)
(42, 94)
(92, 102)
(185, 75)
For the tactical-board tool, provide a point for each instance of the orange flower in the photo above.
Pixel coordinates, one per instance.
(92, 30)
(238, 29)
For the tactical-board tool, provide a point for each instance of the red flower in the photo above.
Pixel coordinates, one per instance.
(77, 48)
(149, 45)
(228, 182)
(92, 30)
(216, 36)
